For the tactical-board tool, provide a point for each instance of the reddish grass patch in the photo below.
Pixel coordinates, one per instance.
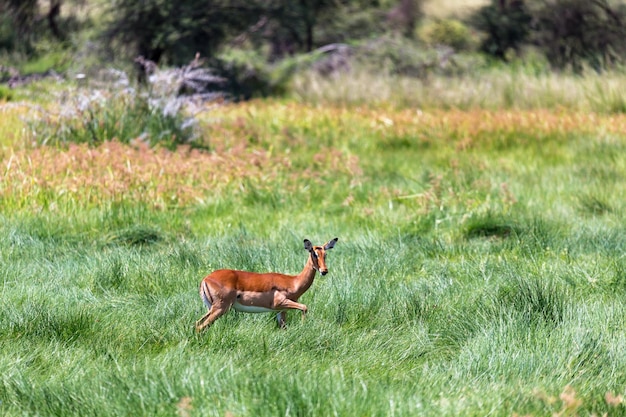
(114, 171)
(292, 125)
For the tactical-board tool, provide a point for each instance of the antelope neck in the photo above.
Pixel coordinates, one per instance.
(305, 278)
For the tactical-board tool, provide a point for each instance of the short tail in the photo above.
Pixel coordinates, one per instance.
(206, 295)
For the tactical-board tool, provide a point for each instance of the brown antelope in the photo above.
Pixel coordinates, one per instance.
(252, 292)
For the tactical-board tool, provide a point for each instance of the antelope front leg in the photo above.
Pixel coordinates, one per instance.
(281, 301)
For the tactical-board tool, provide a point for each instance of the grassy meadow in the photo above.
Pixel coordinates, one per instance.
(480, 268)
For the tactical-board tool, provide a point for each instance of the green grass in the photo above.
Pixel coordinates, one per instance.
(91, 327)
(57, 60)
(520, 86)
(480, 270)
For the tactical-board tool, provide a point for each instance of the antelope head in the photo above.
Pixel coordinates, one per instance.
(318, 254)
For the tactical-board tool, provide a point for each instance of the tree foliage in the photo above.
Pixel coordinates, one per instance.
(174, 31)
(291, 24)
(17, 23)
(22, 22)
(506, 25)
(573, 33)
(570, 33)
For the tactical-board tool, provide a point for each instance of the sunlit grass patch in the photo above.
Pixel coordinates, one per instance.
(287, 125)
(45, 176)
(480, 88)
(427, 168)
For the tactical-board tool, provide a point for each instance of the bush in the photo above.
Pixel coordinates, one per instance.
(448, 32)
(5, 93)
(397, 55)
(352, 21)
(506, 26)
(248, 75)
(8, 37)
(124, 117)
(156, 116)
(400, 56)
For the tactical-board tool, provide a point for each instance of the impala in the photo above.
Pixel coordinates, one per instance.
(252, 292)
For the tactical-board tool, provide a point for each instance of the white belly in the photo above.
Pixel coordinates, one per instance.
(251, 309)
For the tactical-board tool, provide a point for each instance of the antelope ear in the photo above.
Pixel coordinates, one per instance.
(331, 244)
(307, 245)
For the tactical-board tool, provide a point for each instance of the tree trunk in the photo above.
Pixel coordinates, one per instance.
(55, 11)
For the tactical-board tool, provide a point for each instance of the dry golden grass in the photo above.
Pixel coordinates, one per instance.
(290, 122)
(114, 171)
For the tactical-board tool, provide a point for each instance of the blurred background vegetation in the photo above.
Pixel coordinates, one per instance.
(257, 46)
